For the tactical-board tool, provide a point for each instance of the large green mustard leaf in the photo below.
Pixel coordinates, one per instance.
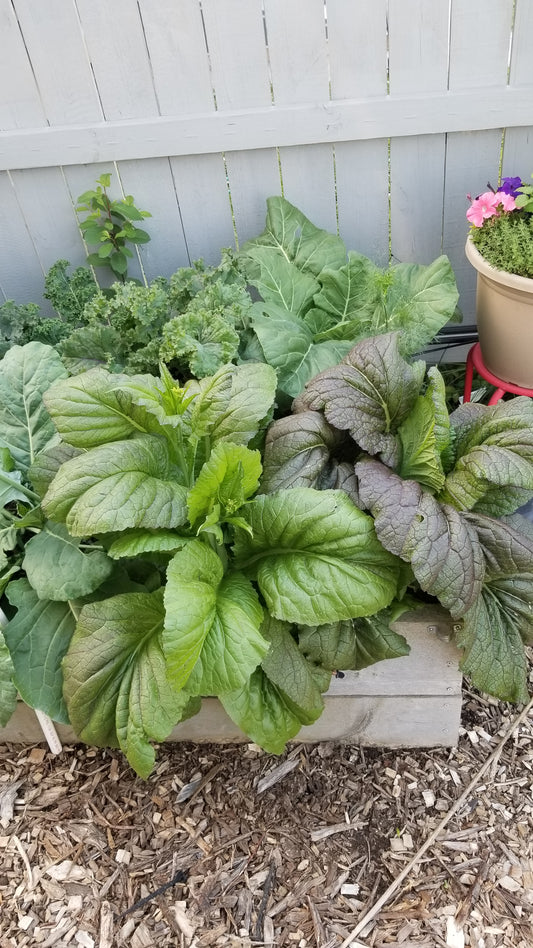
(91, 409)
(281, 695)
(354, 644)
(8, 692)
(25, 425)
(370, 393)
(315, 556)
(38, 637)
(297, 451)
(116, 486)
(439, 543)
(494, 457)
(233, 404)
(212, 623)
(117, 686)
(227, 479)
(59, 569)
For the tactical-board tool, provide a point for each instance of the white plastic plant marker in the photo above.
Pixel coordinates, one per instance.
(49, 732)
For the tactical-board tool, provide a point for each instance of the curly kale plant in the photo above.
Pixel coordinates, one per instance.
(439, 487)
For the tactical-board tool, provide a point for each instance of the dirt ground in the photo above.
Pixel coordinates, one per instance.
(230, 846)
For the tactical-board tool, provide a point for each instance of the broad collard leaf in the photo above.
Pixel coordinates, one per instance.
(494, 457)
(47, 463)
(370, 393)
(296, 239)
(38, 637)
(315, 556)
(354, 644)
(297, 451)
(117, 685)
(351, 295)
(290, 347)
(211, 619)
(94, 408)
(441, 546)
(59, 569)
(118, 486)
(279, 280)
(418, 302)
(25, 425)
(8, 692)
(227, 479)
(11, 487)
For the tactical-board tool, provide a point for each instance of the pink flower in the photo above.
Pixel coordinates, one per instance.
(507, 201)
(486, 205)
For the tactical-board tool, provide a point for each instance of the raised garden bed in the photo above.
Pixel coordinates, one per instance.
(413, 701)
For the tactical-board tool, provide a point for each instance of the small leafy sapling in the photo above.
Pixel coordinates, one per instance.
(110, 226)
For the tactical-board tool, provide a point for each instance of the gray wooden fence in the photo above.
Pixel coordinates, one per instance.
(375, 117)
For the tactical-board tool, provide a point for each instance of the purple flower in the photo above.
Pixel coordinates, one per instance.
(510, 186)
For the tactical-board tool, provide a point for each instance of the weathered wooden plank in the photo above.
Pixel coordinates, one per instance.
(308, 175)
(418, 41)
(178, 56)
(20, 105)
(405, 702)
(22, 275)
(362, 176)
(119, 58)
(296, 34)
(479, 45)
(205, 208)
(346, 120)
(357, 47)
(58, 56)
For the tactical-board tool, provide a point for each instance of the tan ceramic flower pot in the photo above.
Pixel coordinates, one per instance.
(504, 311)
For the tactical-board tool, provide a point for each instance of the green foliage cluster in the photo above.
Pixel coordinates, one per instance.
(440, 488)
(506, 242)
(110, 226)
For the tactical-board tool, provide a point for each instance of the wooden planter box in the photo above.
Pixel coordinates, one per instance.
(413, 701)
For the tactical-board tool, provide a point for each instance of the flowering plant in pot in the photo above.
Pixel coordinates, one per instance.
(500, 247)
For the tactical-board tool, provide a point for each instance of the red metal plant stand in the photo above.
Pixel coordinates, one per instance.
(474, 360)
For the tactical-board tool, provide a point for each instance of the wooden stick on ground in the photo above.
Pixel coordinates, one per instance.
(376, 908)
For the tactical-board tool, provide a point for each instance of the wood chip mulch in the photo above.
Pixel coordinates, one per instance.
(227, 845)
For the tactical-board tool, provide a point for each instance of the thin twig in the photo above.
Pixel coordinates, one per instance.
(376, 908)
(180, 876)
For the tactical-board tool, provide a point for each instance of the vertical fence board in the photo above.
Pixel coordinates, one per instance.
(47, 206)
(362, 175)
(357, 44)
(20, 105)
(22, 279)
(479, 49)
(59, 61)
(178, 56)
(309, 182)
(117, 49)
(235, 34)
(418, 34)
(205, 209)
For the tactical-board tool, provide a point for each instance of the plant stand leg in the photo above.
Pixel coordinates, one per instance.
(469, 375)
